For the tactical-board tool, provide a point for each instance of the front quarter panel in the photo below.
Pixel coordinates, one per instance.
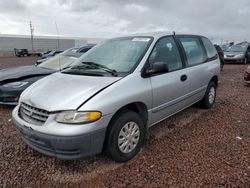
(130, 89)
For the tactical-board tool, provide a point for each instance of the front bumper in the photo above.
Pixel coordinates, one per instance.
(233, 60)
(68, 147)
(9, 96)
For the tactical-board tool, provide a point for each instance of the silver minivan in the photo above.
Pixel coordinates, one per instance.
(108, 98)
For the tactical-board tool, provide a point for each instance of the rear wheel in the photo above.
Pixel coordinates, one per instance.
(125, 136)
(210, 95)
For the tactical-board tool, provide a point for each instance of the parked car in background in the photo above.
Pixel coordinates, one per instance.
(47, 55)
(14, 80)
(74, 51)
(21, 52)
(111, 95)
(221, 55)
(224, 47)
(25, 52)
(247, 75)
(243, 43)
(237, 54)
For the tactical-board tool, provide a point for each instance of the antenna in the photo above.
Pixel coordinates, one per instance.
(57, 32)
(32, 36)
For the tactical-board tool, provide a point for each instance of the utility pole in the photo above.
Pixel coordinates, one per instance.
(32, 37)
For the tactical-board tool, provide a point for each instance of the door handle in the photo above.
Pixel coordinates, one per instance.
(183, 77)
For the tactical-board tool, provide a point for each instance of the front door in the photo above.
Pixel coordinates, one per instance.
(168, 88)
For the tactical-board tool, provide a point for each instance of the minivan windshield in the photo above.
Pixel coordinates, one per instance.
(236, 48)
(114, 56)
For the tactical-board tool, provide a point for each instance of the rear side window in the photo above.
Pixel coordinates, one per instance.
(193, 50)
(211, 51)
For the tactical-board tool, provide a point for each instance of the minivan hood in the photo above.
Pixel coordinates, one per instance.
(24, 71)
(61, 91)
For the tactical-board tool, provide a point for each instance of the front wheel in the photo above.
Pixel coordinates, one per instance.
(210, 95)
(125, 136)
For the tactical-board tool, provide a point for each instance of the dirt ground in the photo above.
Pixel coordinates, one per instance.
(7, 62)
(195, 148)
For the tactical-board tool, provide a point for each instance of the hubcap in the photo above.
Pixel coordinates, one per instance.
(128, 137)
(211, 95)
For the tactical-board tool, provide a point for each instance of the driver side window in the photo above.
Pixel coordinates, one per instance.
(166, 51)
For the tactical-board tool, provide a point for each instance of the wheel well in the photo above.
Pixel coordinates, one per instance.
(215, 80)
(137, 107)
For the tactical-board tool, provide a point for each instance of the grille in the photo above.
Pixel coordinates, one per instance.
(33, 115)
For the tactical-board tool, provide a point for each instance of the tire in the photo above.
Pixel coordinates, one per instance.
(117, 128)
(245, 61)
(210, 96)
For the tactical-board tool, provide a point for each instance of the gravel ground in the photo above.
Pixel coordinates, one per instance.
(6, 62)
(195, 148)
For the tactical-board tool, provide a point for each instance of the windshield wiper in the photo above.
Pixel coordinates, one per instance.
(62, 69)
(95, 65)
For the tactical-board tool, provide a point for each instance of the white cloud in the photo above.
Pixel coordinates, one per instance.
(99, 18)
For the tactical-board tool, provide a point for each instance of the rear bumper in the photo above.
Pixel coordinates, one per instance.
(63, 147)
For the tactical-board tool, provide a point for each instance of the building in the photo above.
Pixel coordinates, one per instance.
(40, 43)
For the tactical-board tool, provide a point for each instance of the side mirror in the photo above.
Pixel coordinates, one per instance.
(157, 68)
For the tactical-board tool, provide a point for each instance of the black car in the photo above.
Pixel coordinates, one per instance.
(21, 52)
(221, 55)
(14, 80)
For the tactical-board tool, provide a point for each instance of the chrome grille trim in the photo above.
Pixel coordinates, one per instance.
(32, 114)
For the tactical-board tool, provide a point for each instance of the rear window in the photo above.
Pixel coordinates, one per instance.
(84, 50)
(211, 51)
(193, 50)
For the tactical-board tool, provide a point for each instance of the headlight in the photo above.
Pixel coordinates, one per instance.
(15, 84)
(73, 117)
